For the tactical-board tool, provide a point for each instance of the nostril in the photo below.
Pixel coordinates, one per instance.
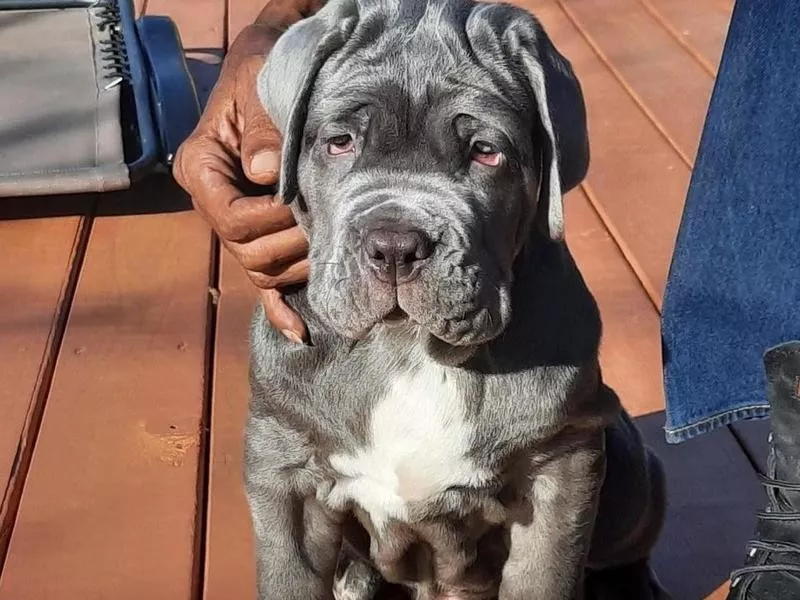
(406, 256)
(422, 247)
(378, 249)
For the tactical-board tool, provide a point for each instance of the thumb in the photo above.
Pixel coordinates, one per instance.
(282, 317)
(261, 146)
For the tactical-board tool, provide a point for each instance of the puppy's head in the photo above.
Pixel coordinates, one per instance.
(424, 143)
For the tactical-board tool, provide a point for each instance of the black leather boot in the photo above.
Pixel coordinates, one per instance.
(772, 569)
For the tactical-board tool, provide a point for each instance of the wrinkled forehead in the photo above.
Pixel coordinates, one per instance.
(423, 53)
(409, 78)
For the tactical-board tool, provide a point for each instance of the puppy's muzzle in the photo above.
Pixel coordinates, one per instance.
(395, 254)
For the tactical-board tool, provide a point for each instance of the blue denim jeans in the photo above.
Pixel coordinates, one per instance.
(734, 283)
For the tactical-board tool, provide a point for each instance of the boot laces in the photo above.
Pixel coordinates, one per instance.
(773, 513)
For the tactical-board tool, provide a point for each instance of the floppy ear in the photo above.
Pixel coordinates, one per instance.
(286, 82)
(562, 116)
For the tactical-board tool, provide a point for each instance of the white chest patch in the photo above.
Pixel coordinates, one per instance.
(419, 440)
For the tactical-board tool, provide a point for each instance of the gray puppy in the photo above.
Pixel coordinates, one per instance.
(447, 429)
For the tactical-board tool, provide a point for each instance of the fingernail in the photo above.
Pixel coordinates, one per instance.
(265, 162)
(291, 336)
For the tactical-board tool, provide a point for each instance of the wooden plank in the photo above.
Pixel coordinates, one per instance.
(700, 26)
(39, 263)
(160, 530)
(637, 182)
(108, 509)
(656, 70)
(720, 593)
(242, 13)
(230, 557)
(205, 43)
(630, 351)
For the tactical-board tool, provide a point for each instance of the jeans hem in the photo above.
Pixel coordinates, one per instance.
(677, 435)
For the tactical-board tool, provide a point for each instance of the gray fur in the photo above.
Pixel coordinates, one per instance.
(500, 303)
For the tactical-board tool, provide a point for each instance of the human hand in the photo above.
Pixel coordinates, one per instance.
(232, 154)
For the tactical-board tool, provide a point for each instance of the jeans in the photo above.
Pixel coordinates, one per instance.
(734, 284)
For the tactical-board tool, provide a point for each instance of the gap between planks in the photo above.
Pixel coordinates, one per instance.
(676, 35)
(206, 419)
(638, 100)
(197, 35)
(30, 432)
(627, 254)
(204, 460)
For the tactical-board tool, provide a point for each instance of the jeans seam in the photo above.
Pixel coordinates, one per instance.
(687, 432)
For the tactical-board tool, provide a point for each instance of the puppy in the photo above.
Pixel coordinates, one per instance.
(447, 429)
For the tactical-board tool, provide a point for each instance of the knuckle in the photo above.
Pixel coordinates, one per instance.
(262, 280)
(231, 228)
(179, 165)
(267, 260)
(264, 261)
(190, 163)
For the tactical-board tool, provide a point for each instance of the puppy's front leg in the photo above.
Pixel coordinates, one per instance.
(297, 538)
(550, 541)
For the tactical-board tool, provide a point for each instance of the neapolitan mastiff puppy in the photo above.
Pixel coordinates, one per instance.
(448, 428)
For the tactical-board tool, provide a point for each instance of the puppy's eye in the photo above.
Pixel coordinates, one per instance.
(341, 144)
(486, 154)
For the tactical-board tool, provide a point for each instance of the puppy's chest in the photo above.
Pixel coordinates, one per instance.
(418, 445)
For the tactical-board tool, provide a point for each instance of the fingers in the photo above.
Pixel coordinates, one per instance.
(210, 176)
(259, 231)
(260, 148)
(238, 143)
(223, 166)
(271, 253)
(293, 274)
(283, 318)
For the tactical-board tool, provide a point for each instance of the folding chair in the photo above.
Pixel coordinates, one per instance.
(91, 99)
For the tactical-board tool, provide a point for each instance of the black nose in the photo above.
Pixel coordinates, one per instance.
(395, 255)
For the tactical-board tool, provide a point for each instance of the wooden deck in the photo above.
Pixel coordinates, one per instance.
(123, 335)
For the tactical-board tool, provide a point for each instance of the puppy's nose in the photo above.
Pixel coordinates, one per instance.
(395, 255)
